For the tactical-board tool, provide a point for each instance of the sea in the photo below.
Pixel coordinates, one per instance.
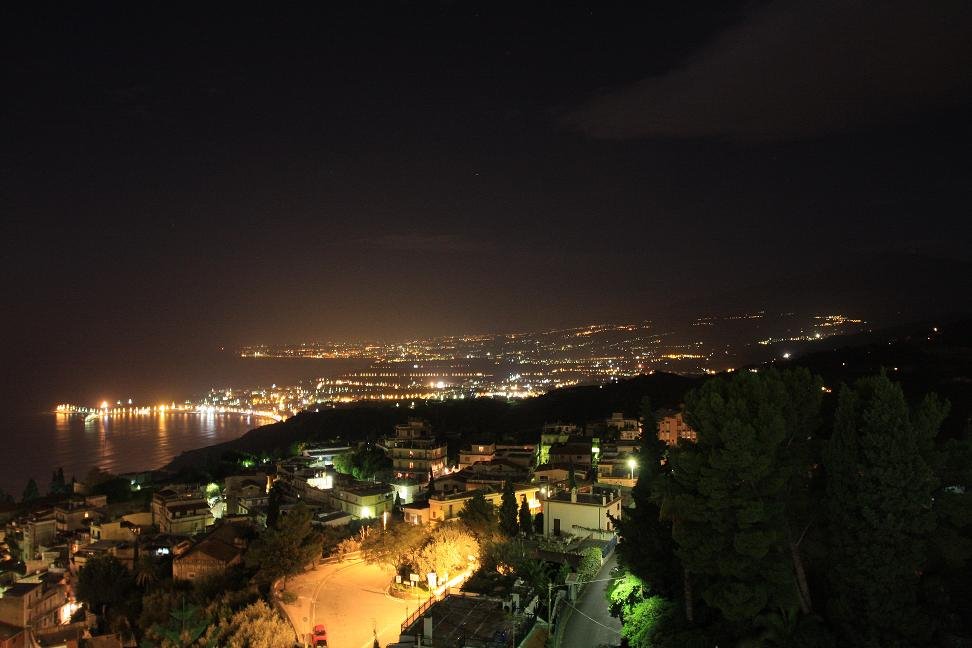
(35, 441)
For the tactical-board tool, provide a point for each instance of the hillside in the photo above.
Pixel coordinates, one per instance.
(918, 357)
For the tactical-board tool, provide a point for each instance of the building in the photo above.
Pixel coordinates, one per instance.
(364, 500)
(624, 428)
(221, 549)
(126, 528)
(12, 636)
(323, 453)
(181, 513)
(524, 455)
(408, 489)
(413, 429)
(416, 457)
(554, 433)
(124, 552)
(78, 513)
(39, 531)
(476, 452)
(446, 506)
(672, 428)
(578, 453)
(555, 473)
(244, 493)
(581, 513)
(34, 603)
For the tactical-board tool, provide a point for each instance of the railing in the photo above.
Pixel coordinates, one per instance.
(410, 619)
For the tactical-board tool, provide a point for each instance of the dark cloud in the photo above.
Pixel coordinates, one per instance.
(799, 69)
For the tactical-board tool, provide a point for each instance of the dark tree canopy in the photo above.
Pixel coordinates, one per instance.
(509, 523)
(880, 510)
(104, 582)
(479, 515)
(31, 492)
(525, 519)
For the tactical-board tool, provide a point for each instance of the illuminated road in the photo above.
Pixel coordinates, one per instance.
(590, 624)
(350, 599)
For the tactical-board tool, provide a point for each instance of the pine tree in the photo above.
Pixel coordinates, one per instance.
(880, 513)
(31, 492)
(525, 519)
(646, 547)
(479, 515)
(731, 491)
(508, 511)
(286, 549)
(571, 478)
(57, 482)
(273, 505)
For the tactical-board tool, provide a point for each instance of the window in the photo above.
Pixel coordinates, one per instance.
(557, 526)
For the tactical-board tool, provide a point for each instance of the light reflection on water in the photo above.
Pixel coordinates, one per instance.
(34, 446)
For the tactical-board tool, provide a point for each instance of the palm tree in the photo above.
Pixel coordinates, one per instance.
(146, 572)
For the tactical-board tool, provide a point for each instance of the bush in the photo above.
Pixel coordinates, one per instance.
(590, 564)
(288, 597)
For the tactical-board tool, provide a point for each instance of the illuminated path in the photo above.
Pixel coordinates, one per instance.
(351, 600)
(590, 624)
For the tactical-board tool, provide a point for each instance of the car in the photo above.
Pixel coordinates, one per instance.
(319, 636)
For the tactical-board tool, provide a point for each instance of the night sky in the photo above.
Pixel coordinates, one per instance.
(178, 180)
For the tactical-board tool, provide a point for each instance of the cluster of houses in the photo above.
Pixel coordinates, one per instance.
(574, 475)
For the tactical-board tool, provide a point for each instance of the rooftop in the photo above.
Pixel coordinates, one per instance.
(20, 589)
(9, 631)
(367, 488)
(466, 620)
(591, 499)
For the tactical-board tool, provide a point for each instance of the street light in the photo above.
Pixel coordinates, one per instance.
(632, 464)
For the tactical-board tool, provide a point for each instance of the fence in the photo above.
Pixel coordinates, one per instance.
(420, 611)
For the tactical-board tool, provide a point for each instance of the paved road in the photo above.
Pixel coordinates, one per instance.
(351, 600)
(598, 627)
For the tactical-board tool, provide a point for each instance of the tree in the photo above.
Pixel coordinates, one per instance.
(31, 492)
(364, 463)
(396, 546)
(146, 571)
(732, 489)
(646, 547)
(344, 463)
(57, 482)
(448, 551)
(274, 501)
(538, 523)
(624, 593)
(5, 497)
(184, 624)
(479, 515)
(104, 583)
(880, 513)
(508, 511)
(431, 485)
(525, 519)
(571, 477)
(284, 551)
(255, 626)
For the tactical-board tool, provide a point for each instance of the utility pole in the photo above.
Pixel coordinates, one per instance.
(549, 608)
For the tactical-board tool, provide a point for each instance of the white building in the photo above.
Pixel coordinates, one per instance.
(581, 514)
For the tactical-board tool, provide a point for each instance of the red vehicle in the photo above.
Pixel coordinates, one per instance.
(319, 636)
